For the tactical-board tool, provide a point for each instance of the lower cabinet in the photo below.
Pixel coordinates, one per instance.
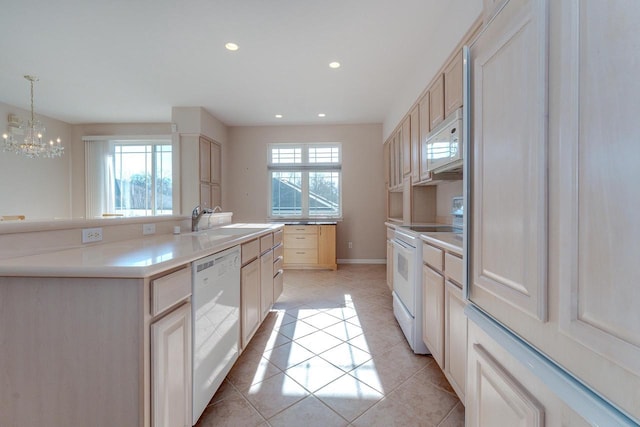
(250, 299)
(266, 283)
(171, 369)
(501, 391)
(310, 246)
(444, 329)
(455, 338)
(433, 315)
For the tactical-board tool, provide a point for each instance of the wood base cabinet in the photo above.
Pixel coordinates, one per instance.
(310, 246)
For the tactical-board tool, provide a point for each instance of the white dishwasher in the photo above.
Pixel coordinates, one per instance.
(216, 323)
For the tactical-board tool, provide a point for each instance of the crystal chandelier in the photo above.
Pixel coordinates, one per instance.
(27, 139)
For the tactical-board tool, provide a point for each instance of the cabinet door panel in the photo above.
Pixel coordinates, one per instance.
(509, 226)
(415, 143)
(205, 160)
(266, 282)
(424, 132)
(436, 102)
(499, 400)
(406, 145)
(327, 245)
(598, 273)
(433, 315)
(250, 299)
(455, 339)
(171, 369)
(216, 162)
(453, 85)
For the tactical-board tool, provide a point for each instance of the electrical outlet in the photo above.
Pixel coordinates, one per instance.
(91, 235)
(148, 229)
(350, 245)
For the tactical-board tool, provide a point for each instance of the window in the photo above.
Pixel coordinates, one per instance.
(129, 178)
(305, 180)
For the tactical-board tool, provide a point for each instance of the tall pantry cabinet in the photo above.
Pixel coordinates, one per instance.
(554, 229)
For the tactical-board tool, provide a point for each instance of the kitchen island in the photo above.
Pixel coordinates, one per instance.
(90, 334)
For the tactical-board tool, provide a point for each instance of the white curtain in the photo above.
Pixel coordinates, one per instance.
(100, 178)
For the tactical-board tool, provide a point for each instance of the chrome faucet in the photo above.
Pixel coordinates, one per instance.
(196, 214)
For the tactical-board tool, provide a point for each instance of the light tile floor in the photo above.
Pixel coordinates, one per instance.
(332, 354)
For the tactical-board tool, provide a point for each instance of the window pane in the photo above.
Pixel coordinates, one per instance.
(164, 184)
(142, 179)
(133, 179)
(286, 193)
(324, 155)
(284, 155)
(324, 193)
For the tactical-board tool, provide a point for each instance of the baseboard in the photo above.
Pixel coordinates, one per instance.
(362, 261)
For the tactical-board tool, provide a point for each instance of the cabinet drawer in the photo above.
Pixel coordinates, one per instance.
(300, 256)
(266, 242)
(277, 237)
(250, 250)
(300, 241)
(168, 290)
(277, 265)
(278, 251)
(300, 229)
(432, 256)
(453, 268)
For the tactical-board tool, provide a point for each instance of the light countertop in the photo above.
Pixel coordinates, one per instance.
(446, 240)
(449, 241)
(136, 258)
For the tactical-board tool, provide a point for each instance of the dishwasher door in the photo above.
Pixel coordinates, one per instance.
(216, 323)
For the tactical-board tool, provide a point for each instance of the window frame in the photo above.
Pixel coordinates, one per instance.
(305, 166)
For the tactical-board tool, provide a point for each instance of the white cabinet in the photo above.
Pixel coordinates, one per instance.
(171, 369)
(390, 265)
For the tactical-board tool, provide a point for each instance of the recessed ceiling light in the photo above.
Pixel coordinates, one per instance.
(278, 116)
(334, 64)
(322, 115)
(231, 46)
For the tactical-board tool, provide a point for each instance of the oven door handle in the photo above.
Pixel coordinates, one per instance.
(401, 245)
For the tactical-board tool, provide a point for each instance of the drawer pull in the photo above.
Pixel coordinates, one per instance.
(300, 238)
(300, 253)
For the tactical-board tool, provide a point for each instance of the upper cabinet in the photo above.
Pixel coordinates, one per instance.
(453, 85)
(436, 102)
(210, 173)
(405, 133)
(414, 117)
(423, 106)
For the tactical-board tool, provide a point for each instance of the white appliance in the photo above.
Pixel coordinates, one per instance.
(216, 323)
(444, 144)
(407, 289)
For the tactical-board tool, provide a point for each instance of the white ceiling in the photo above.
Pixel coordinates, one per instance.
(132, 60)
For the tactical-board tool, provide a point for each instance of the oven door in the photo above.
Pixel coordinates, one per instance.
(403, 275)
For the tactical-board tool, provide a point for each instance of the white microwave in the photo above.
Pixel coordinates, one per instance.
(444, 144)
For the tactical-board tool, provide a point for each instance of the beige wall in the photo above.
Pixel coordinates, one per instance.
(362, 180)
(445, 192)
(36, 188)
